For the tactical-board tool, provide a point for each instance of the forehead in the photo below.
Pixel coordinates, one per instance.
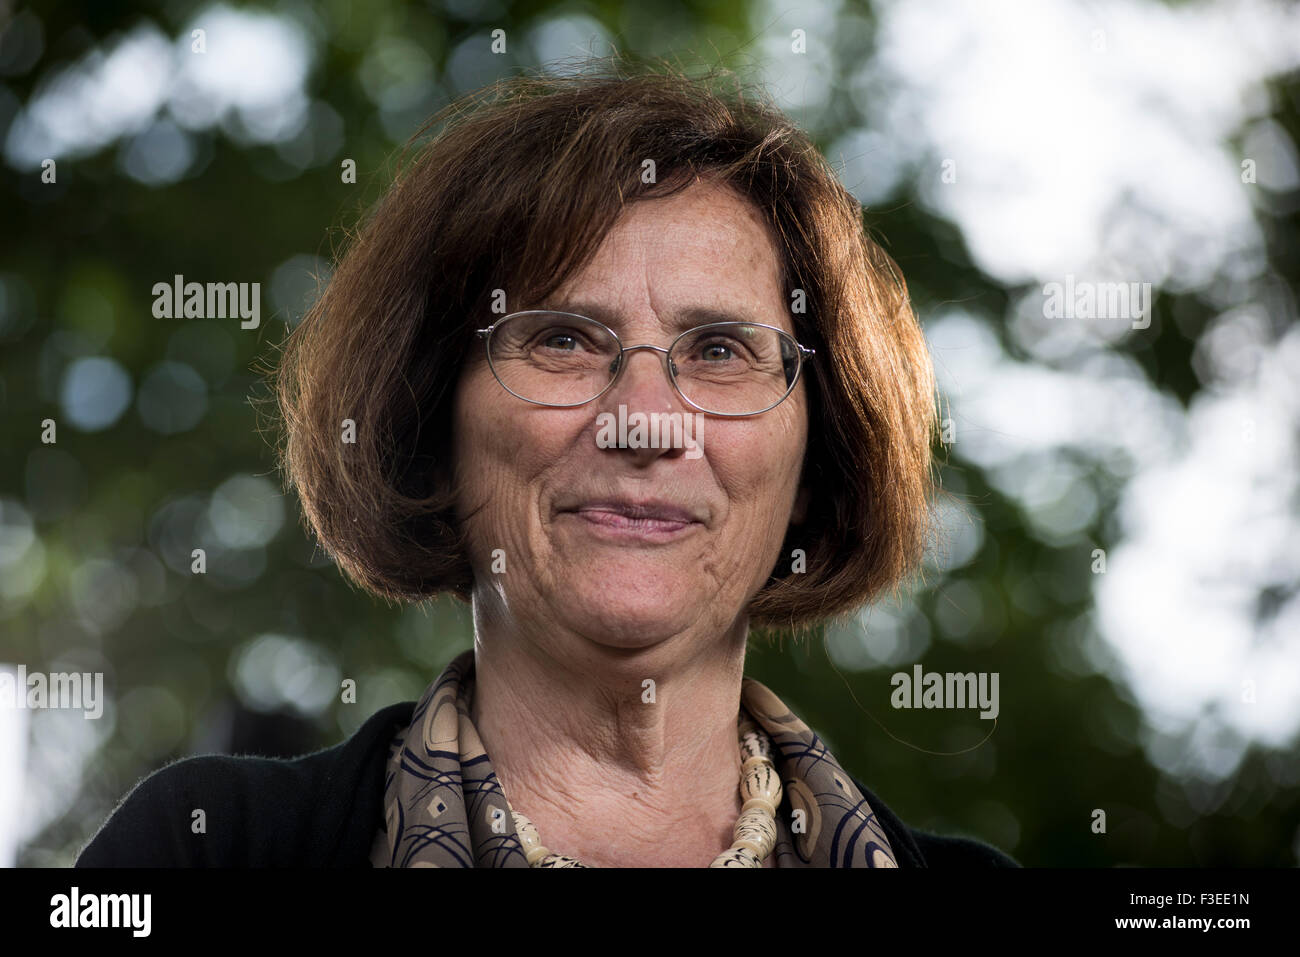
(700, 255)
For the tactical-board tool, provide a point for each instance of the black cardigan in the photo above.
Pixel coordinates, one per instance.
(322, 810)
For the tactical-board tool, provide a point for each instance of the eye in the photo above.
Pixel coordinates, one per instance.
(720, 349)
(561, 339)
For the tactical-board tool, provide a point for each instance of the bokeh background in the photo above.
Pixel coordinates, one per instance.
(996, 147)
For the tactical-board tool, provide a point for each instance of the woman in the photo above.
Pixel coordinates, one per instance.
(615, 362)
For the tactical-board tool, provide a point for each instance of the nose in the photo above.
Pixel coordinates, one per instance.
(645, 389)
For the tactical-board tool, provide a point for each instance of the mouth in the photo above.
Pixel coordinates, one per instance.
(639, 521)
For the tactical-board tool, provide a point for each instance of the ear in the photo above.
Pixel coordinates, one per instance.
(800, 507)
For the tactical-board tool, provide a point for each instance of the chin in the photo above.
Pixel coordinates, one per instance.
(620, 615)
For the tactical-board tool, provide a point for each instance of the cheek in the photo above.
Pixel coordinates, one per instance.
(759, 464)
(794, 427)
(484, 416)
(504, 448)
(490, 485)
(478, 445)
(785, 440)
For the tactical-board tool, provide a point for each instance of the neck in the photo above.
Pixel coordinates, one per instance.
(613, 770)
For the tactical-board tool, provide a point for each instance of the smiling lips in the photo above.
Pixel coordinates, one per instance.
(651, 520)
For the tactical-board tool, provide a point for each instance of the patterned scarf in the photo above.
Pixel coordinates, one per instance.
(443, 805)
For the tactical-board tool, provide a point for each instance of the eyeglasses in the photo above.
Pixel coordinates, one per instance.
(562, 359)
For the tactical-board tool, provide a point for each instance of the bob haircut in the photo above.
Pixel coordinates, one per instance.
(512, 197)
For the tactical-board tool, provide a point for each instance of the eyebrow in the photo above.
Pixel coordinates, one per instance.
(683, 319)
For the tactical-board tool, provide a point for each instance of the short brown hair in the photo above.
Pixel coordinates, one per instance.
(516, 192)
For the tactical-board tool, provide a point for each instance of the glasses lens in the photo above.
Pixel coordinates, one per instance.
(551, 357)
(735, 368)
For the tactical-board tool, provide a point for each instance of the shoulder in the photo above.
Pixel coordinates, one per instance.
(318, 810)
(917, 848)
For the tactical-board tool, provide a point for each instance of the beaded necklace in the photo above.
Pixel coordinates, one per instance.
(754, 835)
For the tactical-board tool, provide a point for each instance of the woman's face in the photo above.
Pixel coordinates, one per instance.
(553, 501)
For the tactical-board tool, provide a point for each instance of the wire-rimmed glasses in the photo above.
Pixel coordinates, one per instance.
(562, 359)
